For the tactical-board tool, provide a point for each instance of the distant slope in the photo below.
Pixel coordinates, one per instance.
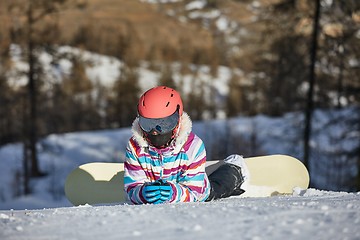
(139, 27)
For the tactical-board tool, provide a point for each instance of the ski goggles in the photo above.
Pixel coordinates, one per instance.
(160, 125)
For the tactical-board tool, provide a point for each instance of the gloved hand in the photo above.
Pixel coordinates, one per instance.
(165, 190)
(157, 192)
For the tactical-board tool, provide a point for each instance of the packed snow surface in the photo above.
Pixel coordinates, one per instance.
(311, 214)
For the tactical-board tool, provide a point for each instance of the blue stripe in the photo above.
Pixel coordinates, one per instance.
(128, 180)
(200, 151)
(130, 155)
(199, 178)
(180, 192)
(173, 176)
(144, 160)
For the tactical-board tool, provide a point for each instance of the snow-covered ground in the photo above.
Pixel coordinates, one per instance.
(313, 215)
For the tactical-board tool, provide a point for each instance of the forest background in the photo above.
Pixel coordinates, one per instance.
(279, 62)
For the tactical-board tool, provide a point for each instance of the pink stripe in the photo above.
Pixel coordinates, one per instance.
(131, 186)
(197, 164)
(171, 170)
(135, 145)
(143, 155)
(196, 189)
(131, 167)
(189, 141)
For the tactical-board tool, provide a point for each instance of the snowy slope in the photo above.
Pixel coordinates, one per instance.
(314, 215)
(59, 154)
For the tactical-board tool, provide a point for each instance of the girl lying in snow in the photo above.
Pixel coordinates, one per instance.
(166, 160)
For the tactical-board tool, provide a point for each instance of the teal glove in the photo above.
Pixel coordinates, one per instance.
(157, 192)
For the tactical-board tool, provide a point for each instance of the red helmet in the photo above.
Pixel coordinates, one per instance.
(160, 102)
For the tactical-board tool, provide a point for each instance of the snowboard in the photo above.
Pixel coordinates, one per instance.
(103, 183)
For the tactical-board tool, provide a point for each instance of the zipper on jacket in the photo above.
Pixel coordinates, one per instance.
(161, 166)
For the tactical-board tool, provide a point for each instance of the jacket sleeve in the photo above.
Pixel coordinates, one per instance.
(193, 184)
(134, 176)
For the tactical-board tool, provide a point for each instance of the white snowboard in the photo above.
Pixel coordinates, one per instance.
(96, 183)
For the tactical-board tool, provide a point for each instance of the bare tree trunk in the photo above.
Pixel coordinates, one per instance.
(32, 127)
(357, 184)
(26, 178)
(357, 151)
(341, 55)
(310, 97)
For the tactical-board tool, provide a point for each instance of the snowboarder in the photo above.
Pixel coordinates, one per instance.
(165, 160)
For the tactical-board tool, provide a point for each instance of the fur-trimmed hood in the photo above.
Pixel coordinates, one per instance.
(185, 127)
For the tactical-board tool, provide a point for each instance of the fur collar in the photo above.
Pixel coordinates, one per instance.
(184, 130)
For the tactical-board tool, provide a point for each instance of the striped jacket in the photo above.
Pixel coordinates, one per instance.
(182, 164)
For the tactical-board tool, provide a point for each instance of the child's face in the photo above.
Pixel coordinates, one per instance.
(159, 140)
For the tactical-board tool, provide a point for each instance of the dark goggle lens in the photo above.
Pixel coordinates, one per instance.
(160, 125)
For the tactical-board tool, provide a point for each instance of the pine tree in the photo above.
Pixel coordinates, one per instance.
(122, 103)
(234, 98)
(34, 30)
(166, 78)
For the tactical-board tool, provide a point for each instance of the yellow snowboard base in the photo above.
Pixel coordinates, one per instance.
(100, 183)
